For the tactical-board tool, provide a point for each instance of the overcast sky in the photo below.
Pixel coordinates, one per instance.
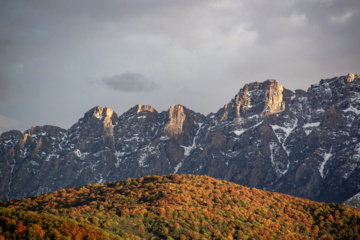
(58, 59)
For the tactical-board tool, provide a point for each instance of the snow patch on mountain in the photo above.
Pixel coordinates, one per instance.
(50, 156)
(239, 132)
(119, 159)
(32, 162)
(98, 116)
(309, 127)
(326, 156)
(279, 167)
(164, 138)
(177, 167)
(188, 149)
(352, 109)
(81, 155)
(283, 132)
(23, 153)
(142, 159)
(100, 179)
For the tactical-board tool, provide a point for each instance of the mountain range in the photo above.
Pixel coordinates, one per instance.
(302, 143)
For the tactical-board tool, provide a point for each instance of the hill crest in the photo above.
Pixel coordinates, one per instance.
(190, 206)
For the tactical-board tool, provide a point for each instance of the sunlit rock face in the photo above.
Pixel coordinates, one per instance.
(303, 143)
(182, 124)
(177, 117)
(350, 77)
(255, 101)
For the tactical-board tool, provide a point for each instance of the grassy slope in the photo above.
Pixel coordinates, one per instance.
(190, 207)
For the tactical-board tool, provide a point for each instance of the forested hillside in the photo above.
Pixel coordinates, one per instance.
(175, 207)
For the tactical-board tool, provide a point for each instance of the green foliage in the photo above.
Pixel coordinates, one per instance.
(19, 224)
(175, 207)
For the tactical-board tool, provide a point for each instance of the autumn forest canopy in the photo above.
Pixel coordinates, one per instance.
(174, 207)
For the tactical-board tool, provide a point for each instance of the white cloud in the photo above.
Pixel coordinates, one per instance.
(342, 18)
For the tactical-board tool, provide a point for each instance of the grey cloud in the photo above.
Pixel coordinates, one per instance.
(7, 123)
(6, 92)
(306, 19)
(129, 82)
(5, 43)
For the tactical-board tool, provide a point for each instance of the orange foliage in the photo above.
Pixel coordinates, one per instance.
(187, 207)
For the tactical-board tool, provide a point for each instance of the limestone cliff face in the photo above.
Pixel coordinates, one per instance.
(303, 143)
(98, 124)
(256, 99)
(106, 116)
(273, 99)
(145, 108)
(147, 112)
(351, 77)
(177, 118)
(181, 124)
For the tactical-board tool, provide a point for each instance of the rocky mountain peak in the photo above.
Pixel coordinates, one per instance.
(145, 108)
(255, 100)
(147, 112)
(44, 130)
(350, 77)
(100, 112)
(336, 81)
(95, 122)
(260, 86)
(342, 91)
